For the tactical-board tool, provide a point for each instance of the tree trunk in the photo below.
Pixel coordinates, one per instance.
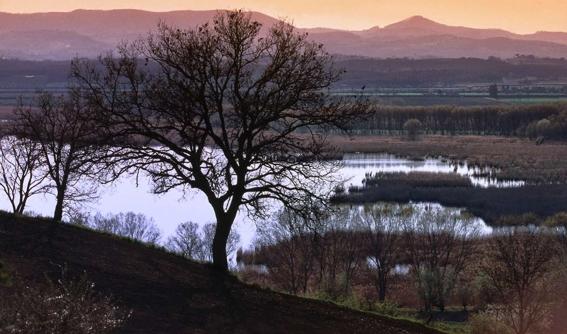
(58, 214)
(224, 224)
(381, 287)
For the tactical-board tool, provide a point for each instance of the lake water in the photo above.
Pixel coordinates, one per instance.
(169, 210)
(356, 165)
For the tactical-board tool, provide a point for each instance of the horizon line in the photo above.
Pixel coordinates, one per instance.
(277, 18)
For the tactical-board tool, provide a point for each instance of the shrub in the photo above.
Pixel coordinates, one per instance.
(543, 128)
(412, 128)
(531, 131)
(59, 307)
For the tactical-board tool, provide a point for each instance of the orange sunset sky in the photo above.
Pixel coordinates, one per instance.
(523, 16)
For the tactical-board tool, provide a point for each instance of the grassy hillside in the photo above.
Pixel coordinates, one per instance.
(169, 294)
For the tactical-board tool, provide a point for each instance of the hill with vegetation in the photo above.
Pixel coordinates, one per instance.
(167, 293)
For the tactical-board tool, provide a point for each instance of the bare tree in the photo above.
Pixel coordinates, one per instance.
(338, 251)
(558, 223)
(382, 229)
(187, 241)
(21, 172)
(232, 244)
(68, 145)
(439, 243)
(224, 109)
(196, 243)
(288, 248)
(131, 225)
(519, 266)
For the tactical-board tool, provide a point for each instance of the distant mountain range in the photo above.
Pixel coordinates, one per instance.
(88, 33)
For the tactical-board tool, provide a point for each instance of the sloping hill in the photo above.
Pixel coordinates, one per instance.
(169, 294)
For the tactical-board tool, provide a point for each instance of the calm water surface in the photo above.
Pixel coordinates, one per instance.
(169, 210)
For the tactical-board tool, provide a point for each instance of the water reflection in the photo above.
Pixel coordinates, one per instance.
(170, 209)
(356, 165)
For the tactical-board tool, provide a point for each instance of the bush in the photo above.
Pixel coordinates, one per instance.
(412, 127)
(543, 128)
(531, 131)
(59, 307)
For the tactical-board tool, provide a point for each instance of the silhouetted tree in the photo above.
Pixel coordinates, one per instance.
(187, 241)
(131, 225)
(21, 171)
(195, 242)
(225, 109)
(69, 147)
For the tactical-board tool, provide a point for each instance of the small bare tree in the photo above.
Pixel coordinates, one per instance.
(338, 251)
(69, 148)
(187, 241)
(131, 225)
(224, 109)
(21, 171)
(519, 266)
(382, 230)
(439, 243)
(196, 243)
(287, 243)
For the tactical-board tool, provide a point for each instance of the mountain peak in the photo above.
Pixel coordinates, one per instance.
(417, 21)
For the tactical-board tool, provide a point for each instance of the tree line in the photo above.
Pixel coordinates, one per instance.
(432, 259)
(549, 121)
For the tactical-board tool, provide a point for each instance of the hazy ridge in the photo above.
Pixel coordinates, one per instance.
(88, 33)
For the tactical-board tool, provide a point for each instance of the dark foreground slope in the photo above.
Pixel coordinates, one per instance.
(169, 294)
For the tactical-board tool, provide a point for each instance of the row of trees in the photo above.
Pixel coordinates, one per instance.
(512, 276)
(328, 252)
(448, 120)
